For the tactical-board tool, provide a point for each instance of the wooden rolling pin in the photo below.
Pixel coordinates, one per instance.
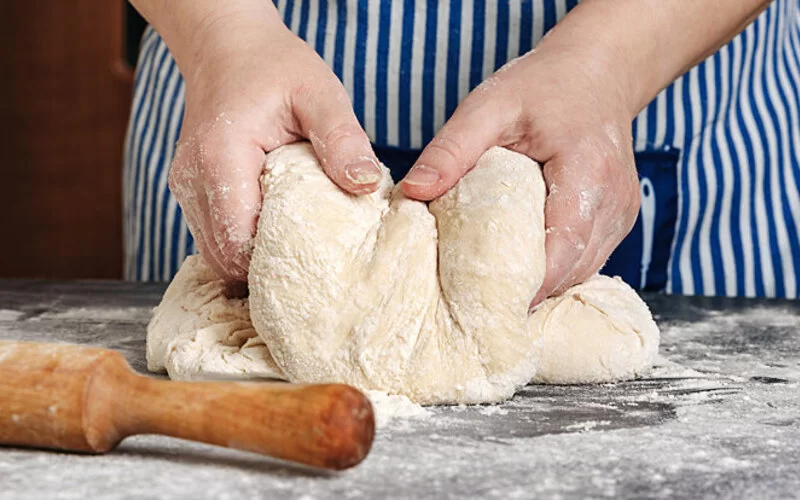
(86, 399)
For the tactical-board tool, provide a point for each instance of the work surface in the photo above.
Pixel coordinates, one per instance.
(719, 417)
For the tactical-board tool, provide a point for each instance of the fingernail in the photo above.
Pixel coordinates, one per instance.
(363, 172)
(422, 176)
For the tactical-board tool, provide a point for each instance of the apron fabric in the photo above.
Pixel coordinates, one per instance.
(718, 151)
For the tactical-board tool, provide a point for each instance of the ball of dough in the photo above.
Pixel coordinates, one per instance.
(597, 331)
(391, 294)
(385, 293)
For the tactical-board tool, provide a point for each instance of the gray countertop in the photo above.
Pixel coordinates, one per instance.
(718, 417)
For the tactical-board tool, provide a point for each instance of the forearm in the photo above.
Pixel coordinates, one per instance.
(649, 43)
(191, 28)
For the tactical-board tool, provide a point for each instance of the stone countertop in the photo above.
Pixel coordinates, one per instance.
(719, 416)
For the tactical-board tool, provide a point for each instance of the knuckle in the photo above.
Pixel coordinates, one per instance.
(444, 147)
(333, 141)
(319, 81)
(341, 132)
(607, 166)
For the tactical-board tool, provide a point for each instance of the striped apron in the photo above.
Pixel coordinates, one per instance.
(718, 151)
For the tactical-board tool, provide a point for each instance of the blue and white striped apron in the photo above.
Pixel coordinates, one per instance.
(718, 151)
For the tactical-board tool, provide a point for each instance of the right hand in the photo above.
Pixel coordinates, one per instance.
(252, 86)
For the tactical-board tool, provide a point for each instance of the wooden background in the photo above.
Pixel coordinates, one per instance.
(64, 100)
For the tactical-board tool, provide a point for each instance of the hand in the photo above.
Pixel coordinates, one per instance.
(252, 86)
(565, 111)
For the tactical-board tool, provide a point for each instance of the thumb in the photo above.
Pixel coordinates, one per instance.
(340, 143)
(470, 132)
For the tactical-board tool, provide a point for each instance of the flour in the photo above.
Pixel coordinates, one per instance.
(720, 434)
(587, 426)
(388, 407)
(97, 314)
(490, 410)
(10, 315)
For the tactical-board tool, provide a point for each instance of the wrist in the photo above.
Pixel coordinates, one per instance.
(649, 43)
(204, 33)
(589, 73)
(593, 38)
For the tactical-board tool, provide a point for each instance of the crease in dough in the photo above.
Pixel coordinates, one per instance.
(469, 253)
(197, 333)
(387, 293)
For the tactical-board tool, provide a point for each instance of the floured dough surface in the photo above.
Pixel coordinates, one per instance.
(385, 293)
(198, 333)
(390, 294)
(597, 331)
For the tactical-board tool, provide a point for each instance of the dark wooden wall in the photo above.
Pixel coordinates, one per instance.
(64, 101)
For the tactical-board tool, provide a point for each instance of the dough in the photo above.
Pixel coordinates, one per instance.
(197, 333)
(598, 331)
(390, 294)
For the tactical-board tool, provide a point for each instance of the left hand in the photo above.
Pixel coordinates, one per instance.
(569, 111)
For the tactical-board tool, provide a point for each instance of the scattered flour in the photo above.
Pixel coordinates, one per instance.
(741, 440)
(388, 407)
(97, 314)
(587, 426)
(10, 315)
(493, 410)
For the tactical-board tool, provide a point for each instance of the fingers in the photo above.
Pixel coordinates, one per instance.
(216, 183)
(234, 202)
(195, 213)
(610, 228)
(568, 230)
(615, 216)
(588, 211)
(327, 119)
(476, 126)
(207, 244)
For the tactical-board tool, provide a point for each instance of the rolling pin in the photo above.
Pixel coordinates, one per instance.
(86, 399)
